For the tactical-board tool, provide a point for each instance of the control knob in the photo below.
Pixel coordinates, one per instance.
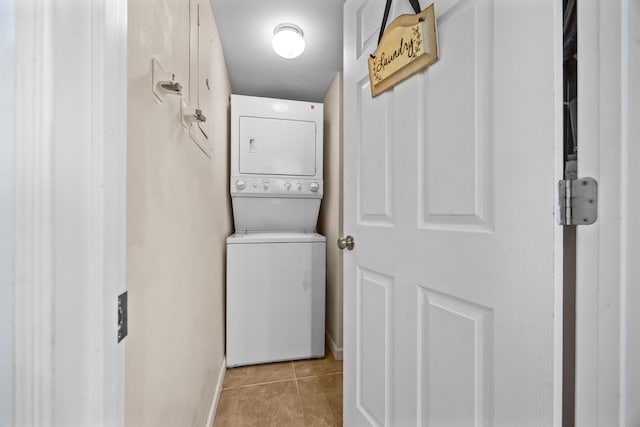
(298, 186)
(314, 186)
(265, 184)
(241, 184)
(287, 185)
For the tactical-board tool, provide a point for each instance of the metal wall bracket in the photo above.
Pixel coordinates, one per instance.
(163, 82)
(578, 201)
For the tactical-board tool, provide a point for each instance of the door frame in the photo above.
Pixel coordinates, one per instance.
(607, 381)
(69, 211)
(7, 119)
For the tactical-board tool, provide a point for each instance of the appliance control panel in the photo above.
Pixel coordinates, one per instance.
(287, 187)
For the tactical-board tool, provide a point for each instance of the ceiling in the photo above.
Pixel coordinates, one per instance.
(246, 28)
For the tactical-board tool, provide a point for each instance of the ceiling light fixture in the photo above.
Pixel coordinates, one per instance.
(288, 41)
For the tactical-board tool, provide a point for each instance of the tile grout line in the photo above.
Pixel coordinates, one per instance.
(254, 384)
(295, 378)
(318, 375)
(299, 395)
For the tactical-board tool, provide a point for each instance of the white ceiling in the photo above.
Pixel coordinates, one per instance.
(246, 28)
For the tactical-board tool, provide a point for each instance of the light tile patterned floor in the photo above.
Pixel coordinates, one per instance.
(301, 393)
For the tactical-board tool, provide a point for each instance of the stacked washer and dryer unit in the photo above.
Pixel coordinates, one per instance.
(275, 258)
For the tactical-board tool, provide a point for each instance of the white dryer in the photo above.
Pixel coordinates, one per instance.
(275, 259)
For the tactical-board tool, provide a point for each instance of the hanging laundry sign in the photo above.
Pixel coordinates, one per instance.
(407, 46)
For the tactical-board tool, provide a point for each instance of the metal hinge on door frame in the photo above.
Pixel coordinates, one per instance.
(577, 201)
(122, 316)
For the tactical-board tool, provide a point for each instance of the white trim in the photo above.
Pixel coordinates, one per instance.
(33, 234)
(586, 396)
(7, 201)
(70, 211)
(111, 129)
(625, 238)
(335, 350)
(607, 281)
(216, 393)
(558, 253)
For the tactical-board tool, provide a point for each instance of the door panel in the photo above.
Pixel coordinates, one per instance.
(456, 115)
(374, 346)
(452, 290)
(374, 158)
(368, 23)
(455, 356)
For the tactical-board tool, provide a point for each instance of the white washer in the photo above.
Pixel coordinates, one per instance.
(275, 297)
(275, 260)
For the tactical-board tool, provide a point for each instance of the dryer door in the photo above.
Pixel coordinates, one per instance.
(277, 147)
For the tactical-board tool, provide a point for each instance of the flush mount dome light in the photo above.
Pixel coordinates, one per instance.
(288, 41)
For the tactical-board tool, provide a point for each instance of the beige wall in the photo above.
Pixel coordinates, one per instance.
(178, 215)
(330, 222)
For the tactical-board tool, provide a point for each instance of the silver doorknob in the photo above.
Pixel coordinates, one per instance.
(346, 242)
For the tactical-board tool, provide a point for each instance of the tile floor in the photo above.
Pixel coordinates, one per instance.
(299, 393)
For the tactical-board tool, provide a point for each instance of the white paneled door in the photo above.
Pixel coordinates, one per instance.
(452, 291)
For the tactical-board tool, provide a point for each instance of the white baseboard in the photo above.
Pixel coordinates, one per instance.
(216, 393)
(337, 351)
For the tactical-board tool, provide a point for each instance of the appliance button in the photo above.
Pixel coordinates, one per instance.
(265, 184)
(240, 184)
(314, 186)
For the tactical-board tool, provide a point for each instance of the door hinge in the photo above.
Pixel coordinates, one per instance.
(578, 201)
(122, 316)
